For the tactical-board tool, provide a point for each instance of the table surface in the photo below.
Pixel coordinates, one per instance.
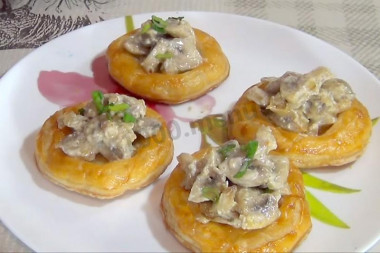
(353, 26)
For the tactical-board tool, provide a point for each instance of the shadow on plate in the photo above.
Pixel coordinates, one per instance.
(155, 221)
(27, 156)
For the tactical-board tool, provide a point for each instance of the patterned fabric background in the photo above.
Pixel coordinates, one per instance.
(351, 25)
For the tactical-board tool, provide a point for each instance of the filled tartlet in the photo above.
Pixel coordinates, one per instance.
(237, 198)
(104, 147)
(315, 118)
(167, 61)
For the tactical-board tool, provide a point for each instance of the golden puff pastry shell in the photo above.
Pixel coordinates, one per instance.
(342, 143)
(125, 68)
(101, 178)
(281, 236)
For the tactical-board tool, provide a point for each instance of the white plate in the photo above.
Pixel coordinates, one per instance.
(48, 218)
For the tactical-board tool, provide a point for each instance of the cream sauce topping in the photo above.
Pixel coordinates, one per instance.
(303, 103)
(246, 200)
(167, 46)
(110, 133)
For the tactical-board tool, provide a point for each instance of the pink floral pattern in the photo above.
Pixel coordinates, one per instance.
(69, 88)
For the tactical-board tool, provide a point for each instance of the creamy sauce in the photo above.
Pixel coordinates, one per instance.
(303, 103)
(170, 48)
(110, 133)
(247, 200)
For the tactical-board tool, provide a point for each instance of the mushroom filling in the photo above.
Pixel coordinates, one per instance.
(167, 46)
(238, 185)
(107, 125)
(306, 103)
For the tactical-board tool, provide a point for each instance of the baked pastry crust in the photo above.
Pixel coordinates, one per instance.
(125, 68)
(283, 235)
(101, 178)
(340, 144)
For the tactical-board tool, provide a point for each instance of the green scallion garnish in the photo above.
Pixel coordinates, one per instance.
(267, 190)
(164, 56)
(97, 97)
(243, 169)
(251, 148)
(129, 118)
(211, 193)
(146, 28)
(227, 149)
(118, 107)
(158, 24)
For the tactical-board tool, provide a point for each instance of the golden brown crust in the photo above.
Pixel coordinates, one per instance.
(281, 236)
(342, 143)
(101, 178)
(169, 88)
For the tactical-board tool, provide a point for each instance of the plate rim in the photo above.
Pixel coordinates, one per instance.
(8, 74)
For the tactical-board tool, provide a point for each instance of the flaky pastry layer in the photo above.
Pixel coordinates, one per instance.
(281, 236)
(342, 143)
(125, 68)
(101, 178)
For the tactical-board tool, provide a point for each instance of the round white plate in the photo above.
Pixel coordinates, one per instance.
(49, 218)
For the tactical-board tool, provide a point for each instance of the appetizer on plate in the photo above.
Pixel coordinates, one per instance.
(104, 147)
(315, 117)
(167, 61)
(236, 198)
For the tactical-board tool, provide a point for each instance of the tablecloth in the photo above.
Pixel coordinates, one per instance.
(353, 26)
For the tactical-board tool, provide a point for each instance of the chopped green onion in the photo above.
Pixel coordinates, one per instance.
(251, 148)
(227, 149)
(118, 107)
(105, 109)
(267, 190)
(129, 118)
(146, 28)
(211, 193)
(243, 169)
(81, 111)
(97, 97)
(158, 24)
(166, 55)
(157, 21)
